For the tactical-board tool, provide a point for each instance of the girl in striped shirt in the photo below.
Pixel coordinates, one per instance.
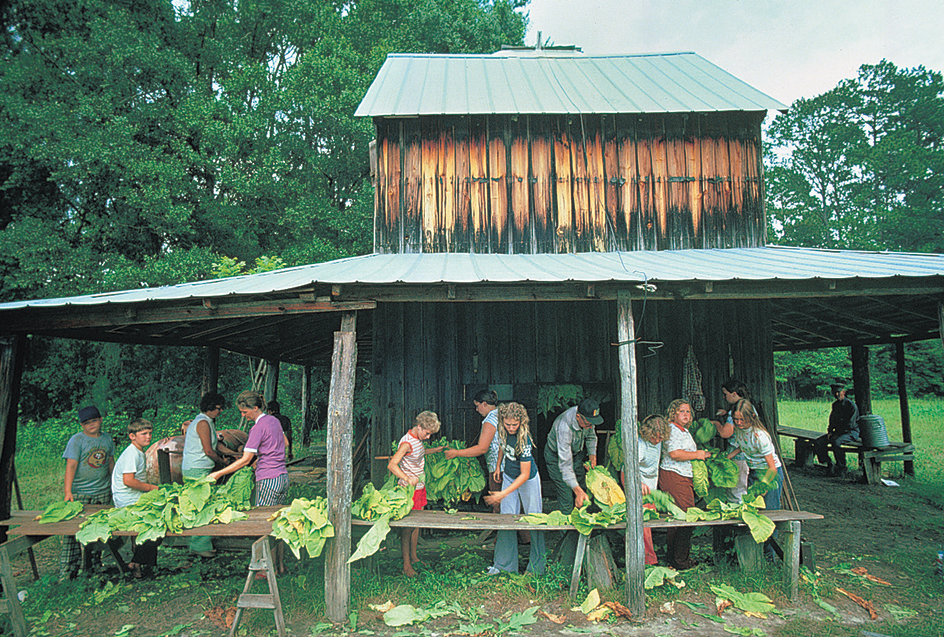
(407, 464)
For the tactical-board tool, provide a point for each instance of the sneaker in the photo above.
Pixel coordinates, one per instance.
(492, 571)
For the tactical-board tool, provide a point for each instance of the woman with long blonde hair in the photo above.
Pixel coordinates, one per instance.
(521, 488)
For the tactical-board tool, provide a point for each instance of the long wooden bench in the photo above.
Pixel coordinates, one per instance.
(870, 459)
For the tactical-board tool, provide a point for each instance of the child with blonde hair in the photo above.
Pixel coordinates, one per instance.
(521, 488)
(408, 464)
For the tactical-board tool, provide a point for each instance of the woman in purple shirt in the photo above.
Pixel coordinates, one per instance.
(266, 441)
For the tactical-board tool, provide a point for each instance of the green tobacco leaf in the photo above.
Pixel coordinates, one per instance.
(657, 576)
(592, 601)
(95, 529)
(404, 615)
(750, 602)
(518, 621)
(370, 543)
(59, 511)
(745, 631)
(760, 525)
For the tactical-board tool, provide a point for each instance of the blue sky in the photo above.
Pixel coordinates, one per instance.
(787, 49)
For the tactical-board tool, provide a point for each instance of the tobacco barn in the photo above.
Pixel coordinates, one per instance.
(541, 218)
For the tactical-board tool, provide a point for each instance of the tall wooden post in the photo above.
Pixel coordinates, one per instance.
(861, 379)
(635, 549)
(903, 401)
(340, 469)
(211, 371)
(271, 380)
(12, 355)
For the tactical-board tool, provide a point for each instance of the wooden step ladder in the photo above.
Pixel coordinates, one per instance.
(261, 562)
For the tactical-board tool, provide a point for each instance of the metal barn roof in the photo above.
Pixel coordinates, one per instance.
(507, 83)
(769, 263)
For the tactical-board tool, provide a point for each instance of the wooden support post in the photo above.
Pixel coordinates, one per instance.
(271, 380)
(340, 468)
(750, 554)
(903, 401)
(635, 549)
(861, 380)
(261, 562)
(211, 371)
(12, 356)
(789, 539)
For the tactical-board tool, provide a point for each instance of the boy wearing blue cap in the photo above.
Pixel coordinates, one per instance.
(90, 459)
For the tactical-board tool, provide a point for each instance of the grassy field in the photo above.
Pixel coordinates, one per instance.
(926, 418)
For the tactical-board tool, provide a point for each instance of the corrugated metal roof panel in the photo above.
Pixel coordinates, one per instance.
(748, 264)
(423, 84)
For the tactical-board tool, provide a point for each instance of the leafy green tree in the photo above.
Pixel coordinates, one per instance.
(862, 165)
(141, 141)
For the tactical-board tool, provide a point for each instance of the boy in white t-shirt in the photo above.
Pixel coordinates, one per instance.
(128, 483)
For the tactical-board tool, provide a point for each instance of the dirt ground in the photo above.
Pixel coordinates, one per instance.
(861, 521)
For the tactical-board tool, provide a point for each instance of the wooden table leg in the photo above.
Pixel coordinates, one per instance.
(11, 602)
(750, 554)
(789, 539)
(578, 564)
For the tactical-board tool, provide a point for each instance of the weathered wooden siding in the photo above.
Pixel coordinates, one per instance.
(528, 184)
(436, 355)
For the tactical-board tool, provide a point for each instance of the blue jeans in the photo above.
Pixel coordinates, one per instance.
(526, 499)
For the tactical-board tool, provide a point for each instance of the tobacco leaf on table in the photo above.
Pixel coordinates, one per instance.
(60, 511)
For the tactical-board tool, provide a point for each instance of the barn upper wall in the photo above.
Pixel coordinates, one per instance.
(520, 154)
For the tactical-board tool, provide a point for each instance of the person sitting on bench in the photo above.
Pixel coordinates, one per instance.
(843, 429)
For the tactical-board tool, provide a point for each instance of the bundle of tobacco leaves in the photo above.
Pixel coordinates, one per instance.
(303, 525)
(171, 508)
(455, 479)
(392, 502)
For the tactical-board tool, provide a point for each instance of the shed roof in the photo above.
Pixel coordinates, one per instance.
(410, 85)
(821, 297)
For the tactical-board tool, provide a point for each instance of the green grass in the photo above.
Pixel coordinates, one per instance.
(926, 416)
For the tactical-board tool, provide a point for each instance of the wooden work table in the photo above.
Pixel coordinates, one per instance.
(28, 531)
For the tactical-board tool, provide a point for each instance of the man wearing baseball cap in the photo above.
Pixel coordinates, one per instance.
(570, 442)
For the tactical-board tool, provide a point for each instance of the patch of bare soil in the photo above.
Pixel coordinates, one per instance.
(864, 526)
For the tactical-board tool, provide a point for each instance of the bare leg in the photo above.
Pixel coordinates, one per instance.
(405, 541)
(414, 541)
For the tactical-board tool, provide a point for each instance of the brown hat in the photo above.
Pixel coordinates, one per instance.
(590, 409)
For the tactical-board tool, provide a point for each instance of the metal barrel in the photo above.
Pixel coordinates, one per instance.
(872, 431)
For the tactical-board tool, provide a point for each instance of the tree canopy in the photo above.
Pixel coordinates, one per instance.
(141, 140)
(152, 142)
(862, 165)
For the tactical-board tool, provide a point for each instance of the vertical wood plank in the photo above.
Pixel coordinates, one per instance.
(903, 401)
(692, 173)
(563, 170)
(635, 550)
(380, 175)
(12, 357)
(498, 186)
(660, 184)
(340, 441)
(307, 413)
(412, 230)
(520, 187)
(645, 186)
(615, 219)
(583, 230)
(462, 240)
(544, 219)
(596, 182)
(790, 541)
(479, 186)
(393, 206)
(447, 186)
(431, 228)
(679, 221)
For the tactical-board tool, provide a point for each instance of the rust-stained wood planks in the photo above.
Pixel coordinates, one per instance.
(549, 183)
